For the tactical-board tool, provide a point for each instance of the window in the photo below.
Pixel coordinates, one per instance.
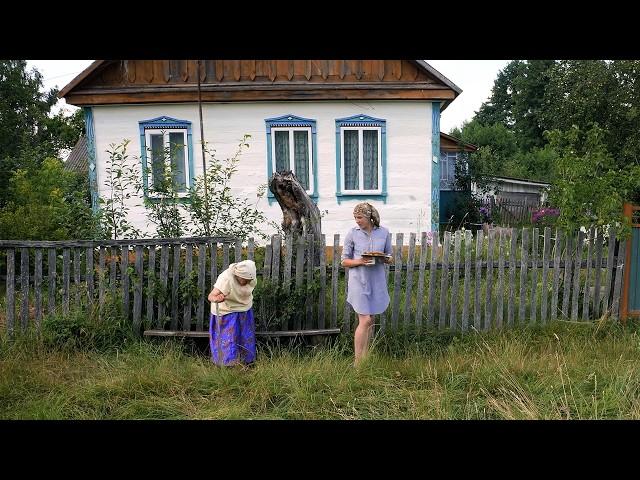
(166, 147)
(448, 170)
(361, 158)
(291, 145)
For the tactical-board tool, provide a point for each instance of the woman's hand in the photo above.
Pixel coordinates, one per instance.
(216, 296)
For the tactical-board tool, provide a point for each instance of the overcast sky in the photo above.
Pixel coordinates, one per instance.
(474, 77)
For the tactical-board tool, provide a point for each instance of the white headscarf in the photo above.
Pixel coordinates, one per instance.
(245, 269)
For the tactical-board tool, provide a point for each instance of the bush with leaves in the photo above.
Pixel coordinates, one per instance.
(120, 181)
(214, 210)
(590, 187)
(47, 203)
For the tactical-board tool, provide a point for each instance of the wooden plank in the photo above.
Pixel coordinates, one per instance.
(335, 274)
(37, 287)
(151, 285)
(488, 304)
(467, 279)
(202, 273)
(112, 271)
(598, 273)
(276, 242)
(11, 293)
(164, 281)
(188, 267)
(51, 263)
(524, 259)
(444, 281)
(66, 257)
(421, 269)
(615, 303)
(89, 260)
(101, 279)
(534, 277)
(266, 281)
(346, 312)
(609, 272)
(477, 318)
(309, 298)
(585, 297)
(225, 256)
(456, 280)
(24, 288)
(238, 251)
(323, 282)
(432, 280)
(76, 276)
(137, 289)
(397, 280)
(576, 274)
(512, 276)
(409, 280)
(175, 281)
(500, 287)
(251, 248)
(213, 265)
(556, 275)
(546, 249)
(566, 284)
(125, 280)
(300, 247)
(288, 258)
(387, 269)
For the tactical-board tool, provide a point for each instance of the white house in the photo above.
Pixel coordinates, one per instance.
(351, 130)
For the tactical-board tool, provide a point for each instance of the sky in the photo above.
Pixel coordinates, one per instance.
(474, 77)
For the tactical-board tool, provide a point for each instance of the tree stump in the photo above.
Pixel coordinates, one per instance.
(300, 215)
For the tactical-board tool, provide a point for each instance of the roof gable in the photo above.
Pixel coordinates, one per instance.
(149, 81)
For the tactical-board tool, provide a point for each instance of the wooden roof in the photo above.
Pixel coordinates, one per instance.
(107, 82)
(78, 159)
(453, 144)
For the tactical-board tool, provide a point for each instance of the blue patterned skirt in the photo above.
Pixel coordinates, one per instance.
(232, 338)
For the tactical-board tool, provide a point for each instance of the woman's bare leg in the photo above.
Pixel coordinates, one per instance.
(362, 336)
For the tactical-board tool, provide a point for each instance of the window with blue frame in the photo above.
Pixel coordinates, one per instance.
(167, 149)
(361, 156)
(291, 145)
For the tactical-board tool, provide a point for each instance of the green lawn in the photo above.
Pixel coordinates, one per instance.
(564, 370)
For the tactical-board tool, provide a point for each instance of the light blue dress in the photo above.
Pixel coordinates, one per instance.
(367, 285)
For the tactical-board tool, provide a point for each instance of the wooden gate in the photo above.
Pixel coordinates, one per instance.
(630, 306)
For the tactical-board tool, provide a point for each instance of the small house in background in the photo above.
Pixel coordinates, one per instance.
(78, 159)
(512, 200)
(453, 151)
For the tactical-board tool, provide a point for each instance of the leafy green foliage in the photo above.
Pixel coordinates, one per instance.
(121, 182)
(590, 187)
(47, 203)
(28, 132)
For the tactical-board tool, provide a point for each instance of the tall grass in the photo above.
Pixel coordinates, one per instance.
(561, 371)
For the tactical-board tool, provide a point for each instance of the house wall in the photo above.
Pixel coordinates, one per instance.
(409, 144)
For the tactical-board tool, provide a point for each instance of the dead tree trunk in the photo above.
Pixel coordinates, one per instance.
(300, 216)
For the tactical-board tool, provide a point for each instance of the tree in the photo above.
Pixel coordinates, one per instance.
(590, 187)
(47, 203)
(517, 101)
(28, 133)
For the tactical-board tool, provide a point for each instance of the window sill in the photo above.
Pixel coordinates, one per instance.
(361, 196)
